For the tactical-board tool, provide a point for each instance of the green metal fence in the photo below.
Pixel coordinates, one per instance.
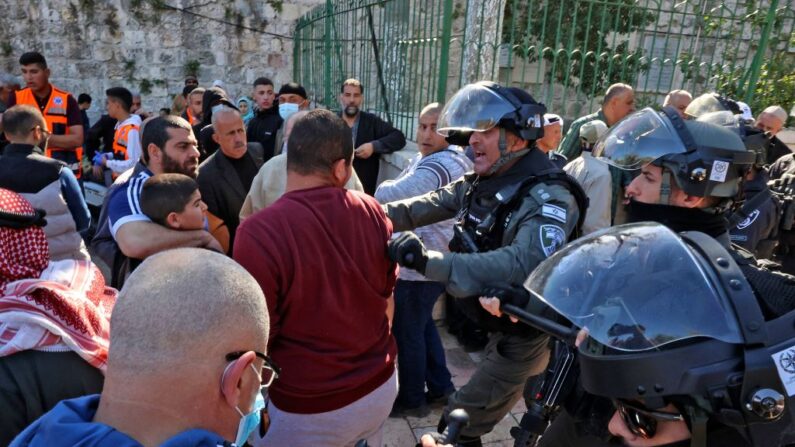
(565, 52)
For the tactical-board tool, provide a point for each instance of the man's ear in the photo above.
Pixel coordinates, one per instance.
(173, 221)
(154, 152)
(515, 142)
(215, 138)
(692, 201)
(341, 171)
(232, 381)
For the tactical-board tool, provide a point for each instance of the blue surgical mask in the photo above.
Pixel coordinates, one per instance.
(249, 422)
(287, 109)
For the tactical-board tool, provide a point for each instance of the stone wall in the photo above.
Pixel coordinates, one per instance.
(147, 45)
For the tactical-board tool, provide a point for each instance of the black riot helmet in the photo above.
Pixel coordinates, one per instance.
(484, 105)
(755, 140)
(705, 160)
(672, 319)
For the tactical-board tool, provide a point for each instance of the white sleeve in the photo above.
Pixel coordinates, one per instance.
(133, 153)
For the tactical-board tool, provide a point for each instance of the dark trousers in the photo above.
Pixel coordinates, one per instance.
(420, 353)
(498, 381)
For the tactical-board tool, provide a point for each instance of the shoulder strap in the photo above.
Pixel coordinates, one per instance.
(568, 182)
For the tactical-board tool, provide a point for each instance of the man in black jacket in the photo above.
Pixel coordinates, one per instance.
(372, 136)
(266, 122)
(226, 176)
(212, 99)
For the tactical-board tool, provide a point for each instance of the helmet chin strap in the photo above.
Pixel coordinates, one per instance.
(665, 188)
(505, 156)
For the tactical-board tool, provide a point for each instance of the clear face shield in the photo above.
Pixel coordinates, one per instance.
(634, 288)
(474, 108)
(638, 140)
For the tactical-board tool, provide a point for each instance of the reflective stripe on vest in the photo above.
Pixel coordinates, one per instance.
(120, 141)
(54, 113)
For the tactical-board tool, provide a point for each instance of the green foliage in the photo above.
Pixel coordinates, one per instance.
(145, 86)
(129, 69)
(542, 28)
(6, 48)
(191, 68)
(776, 82)
(276, 5)
(112, 22)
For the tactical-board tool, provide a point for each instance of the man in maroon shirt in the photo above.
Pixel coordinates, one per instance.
(319, 254)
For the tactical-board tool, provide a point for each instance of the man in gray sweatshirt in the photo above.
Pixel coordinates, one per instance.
(419, 346)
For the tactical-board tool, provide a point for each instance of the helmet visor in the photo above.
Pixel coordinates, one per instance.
(634, 287)
(638, 140)
(474, 108)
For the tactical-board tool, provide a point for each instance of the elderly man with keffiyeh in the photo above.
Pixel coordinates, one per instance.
(54, 321)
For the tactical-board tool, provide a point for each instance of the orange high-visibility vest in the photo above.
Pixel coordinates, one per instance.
(120, 141)
(54, 113)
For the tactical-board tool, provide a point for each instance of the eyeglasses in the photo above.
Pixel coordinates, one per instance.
(270, 371)
(641, 421)
(46, 132)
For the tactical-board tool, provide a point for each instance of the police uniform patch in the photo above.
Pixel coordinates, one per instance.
(552, 237)
(554, 212)
(748, 220)
(719, 171)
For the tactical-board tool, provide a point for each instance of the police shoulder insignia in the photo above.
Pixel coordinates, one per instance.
(748, 220)
(552, 237)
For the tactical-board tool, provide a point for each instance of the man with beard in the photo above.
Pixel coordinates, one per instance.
(372, 136)
(169, 147)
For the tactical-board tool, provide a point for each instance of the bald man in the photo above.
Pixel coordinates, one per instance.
(679, 100)
(619, 101)
(186, 362)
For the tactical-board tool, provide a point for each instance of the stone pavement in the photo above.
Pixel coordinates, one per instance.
(404, 432)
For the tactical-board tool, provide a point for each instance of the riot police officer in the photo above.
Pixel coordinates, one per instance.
(753, 226)
(676, 336)
(689, 174)
(514, 211)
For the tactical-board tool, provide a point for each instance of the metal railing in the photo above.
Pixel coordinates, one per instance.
(565, 52)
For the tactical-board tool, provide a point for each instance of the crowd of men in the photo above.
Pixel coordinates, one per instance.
(266, 295)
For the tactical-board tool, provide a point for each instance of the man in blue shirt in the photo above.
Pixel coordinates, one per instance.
(186, 363)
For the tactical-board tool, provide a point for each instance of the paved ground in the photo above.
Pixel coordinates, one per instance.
(404, 432)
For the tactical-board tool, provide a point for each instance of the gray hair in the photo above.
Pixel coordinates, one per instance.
(223, 111)
(778, 112)
(185, 306)
(673, 94)
(615, 90)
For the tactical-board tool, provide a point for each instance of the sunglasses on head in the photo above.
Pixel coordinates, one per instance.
(642, 421)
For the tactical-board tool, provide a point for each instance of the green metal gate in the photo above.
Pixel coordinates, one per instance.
(565, 52)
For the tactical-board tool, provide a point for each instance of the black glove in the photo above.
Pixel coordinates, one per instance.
(784, 184)
(408, 251)
(517, 296)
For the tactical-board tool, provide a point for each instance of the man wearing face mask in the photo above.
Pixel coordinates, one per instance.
(292, 98)
(372, 136)
(185, 368)
(46, 183)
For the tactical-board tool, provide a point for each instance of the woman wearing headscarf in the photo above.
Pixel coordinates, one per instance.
(245, 104)
(54, 321)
